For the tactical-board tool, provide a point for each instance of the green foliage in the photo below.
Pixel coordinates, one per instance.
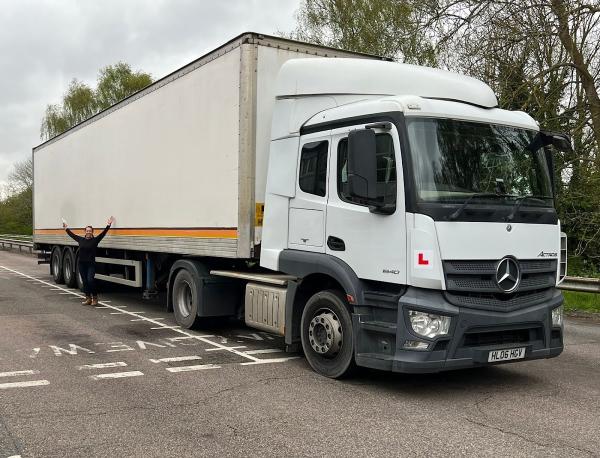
(80, 102)
(381, 27)
(15, 213)
(117, 82)
(576, 301)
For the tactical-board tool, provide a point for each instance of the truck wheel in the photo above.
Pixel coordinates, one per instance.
(326, 333)
(78, 278)
(68, 267)
(185, 299)
(56, 265)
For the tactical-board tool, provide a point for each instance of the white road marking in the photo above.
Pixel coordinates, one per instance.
(102, 365)
(227, 348)
(199, 367)
(264, 350)
(176, 359)
(116, 375)
(4, 386)
(117, 313)
(270, 361)
(144, 319)
(18, 373)
(167, 327)
(149, 320)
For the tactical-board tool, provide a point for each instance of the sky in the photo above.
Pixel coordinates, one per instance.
(44, 44)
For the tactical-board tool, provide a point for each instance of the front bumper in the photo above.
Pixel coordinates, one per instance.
(381, 330)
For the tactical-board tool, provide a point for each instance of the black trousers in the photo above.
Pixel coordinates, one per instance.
(88, 271)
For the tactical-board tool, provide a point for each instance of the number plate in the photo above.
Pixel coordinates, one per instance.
(506, 355)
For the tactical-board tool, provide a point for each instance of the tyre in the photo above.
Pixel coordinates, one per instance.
(326, 334)
(68, 268)
(185, 299)
(56, 269)
(78, 278)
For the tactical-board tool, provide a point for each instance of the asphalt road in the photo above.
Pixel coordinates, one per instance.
(120, 380)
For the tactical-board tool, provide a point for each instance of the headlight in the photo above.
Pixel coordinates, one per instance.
(428, 324)
(557, 316)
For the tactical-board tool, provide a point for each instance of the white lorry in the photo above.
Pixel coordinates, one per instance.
(408, 222)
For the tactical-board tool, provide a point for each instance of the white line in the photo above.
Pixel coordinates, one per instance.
(17, 373)
(144, 319)
(117, 313)
(264, 350)
(169, 327)
(116, 375)
(176, 359)
(150, 320)
(4, 386)
(103, 306)
(269, 361)
(199, 367)
(102, 365)
(64, 293)
(227, 348)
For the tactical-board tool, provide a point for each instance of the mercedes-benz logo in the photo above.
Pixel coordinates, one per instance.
(508, 275)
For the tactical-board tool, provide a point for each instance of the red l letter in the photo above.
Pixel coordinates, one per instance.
(423, 261)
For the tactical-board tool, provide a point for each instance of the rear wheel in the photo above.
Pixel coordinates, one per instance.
(56, 265)
(326, 333)
(68, 267)
(185, 298)
(78, 278)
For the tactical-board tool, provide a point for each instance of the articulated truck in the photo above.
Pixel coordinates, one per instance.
(372, 213)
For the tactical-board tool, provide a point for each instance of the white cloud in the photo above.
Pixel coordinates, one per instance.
(46, 44)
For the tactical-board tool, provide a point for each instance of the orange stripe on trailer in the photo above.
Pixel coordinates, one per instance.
(192, 233)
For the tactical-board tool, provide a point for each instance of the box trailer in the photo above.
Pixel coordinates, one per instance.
(375, 213)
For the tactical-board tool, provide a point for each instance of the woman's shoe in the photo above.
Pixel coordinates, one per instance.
(88, 300)
(94, 300)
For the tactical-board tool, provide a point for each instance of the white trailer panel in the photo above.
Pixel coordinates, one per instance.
(181, 165)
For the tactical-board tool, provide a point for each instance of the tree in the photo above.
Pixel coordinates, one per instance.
(117, 82)
(80, 102)
(21, 177)
(382, 27)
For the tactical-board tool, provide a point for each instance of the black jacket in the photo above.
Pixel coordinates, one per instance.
(87, 247)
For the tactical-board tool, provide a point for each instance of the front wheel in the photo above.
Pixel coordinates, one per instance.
(326, 333)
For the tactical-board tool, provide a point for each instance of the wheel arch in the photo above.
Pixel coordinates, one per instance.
(315, 272)
(192, 265)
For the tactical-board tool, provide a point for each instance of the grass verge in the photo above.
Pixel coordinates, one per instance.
(578, 302)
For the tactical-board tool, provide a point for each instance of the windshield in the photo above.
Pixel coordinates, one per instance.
(453, 160)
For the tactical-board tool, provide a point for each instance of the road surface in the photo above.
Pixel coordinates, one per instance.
(122, 380)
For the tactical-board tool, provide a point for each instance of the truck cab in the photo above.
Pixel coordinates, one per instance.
(414, 216)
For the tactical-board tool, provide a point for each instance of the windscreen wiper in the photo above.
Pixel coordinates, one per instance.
(522, 199)
(458, 212)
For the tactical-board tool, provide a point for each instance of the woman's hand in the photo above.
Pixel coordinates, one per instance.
(64, 225)
(110, 221)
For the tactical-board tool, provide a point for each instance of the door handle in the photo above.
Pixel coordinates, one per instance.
(335, 243)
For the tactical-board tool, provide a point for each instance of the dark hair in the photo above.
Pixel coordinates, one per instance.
(89, 227)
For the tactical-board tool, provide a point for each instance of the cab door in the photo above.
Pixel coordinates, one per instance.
(373, 245)
(308, 209)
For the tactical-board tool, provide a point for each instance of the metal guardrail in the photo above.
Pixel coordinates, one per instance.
(16, 241)
(581, 284)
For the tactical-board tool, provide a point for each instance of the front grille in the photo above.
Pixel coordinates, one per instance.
(511, 336)
(473, 284)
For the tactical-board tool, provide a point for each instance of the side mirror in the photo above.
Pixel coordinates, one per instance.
(362, 164)
(560, 141)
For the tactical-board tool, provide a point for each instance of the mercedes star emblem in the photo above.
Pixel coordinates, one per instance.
(508, 228)
(508, 275)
